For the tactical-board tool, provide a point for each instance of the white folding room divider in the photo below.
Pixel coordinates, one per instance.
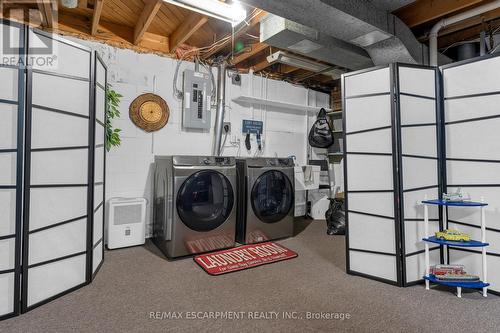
(52, 167)
(391, 163)
(11, 164)
(471, 91)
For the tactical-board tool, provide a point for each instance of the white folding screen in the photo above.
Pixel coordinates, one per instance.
(391, 162)
(471, 91)
(419, 127)
(369, 164)
(11, 164)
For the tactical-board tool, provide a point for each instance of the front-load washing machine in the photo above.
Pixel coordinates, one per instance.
(194, 204)
(265, 200)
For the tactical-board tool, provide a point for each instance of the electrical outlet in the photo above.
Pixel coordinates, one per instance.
(226, 127)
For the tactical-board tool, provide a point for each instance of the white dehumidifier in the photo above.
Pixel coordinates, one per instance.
(126, 222)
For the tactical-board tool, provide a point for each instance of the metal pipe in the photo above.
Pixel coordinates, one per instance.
(219, 117)
(433, 53)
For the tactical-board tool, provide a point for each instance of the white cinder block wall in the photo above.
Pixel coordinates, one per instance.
(129, 167)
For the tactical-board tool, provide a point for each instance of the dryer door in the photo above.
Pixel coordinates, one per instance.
(272, 196)
(205, 200)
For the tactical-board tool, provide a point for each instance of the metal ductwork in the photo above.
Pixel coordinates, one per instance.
(362, 23)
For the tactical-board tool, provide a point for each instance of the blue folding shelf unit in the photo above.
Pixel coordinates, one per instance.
(473, 243)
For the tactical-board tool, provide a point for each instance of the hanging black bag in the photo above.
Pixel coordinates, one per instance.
(320, 135)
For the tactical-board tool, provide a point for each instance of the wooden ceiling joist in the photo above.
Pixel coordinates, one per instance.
(255, 48)
(261, 66)
(239, 32)
(48, 17)
(423, 11)
(486, 17)
(148, 14)
(186, 30)
(96, 16)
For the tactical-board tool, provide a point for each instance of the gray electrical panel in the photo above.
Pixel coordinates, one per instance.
(196, 101)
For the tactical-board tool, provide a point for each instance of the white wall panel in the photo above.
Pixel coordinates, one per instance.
(51, 129)
(72, 95)
(8, 126)
(367, 113)
(371, 233)
(97, 256)
(472, 78)
(491, 196)
(8, 169)
(49, 280)
(414, 233)
(373, 203)
(371, 142)
(57, 242)
(419, 172)
(472, 107)
(7, 212)
(98, 225)
(7, 254)
(366, 172)
(100, 103)
(8, 88)
(383, 266)
(415, 265)
(415, 110)
(70, 60)
(7, 292)
(412, 203)
(59, 167)
(463, 141)
(372, 82)
(466, 172)
(53, 205)
(417, 81)
(419, 141)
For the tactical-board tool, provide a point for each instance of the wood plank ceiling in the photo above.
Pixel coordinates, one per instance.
(159, 27)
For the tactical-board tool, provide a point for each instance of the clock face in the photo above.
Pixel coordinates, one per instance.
(150, 112)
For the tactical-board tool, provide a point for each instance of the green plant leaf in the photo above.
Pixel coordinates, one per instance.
(112, 111)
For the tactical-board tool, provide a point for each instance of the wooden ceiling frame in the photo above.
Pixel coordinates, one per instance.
(244, 55)
(148, 14)
(193, 23)
(98, 5)
(49, 19)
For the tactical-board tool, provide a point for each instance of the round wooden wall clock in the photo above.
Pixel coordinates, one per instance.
(149, 112)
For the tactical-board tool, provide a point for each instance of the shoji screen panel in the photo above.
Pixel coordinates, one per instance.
(472, 118)
(419, 129)
(11, 164)
(99, 165)
(369, 142)
(58, 159)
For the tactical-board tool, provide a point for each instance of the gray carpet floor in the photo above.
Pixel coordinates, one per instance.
(136, 281)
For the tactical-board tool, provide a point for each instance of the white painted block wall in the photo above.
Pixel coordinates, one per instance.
(129, 167)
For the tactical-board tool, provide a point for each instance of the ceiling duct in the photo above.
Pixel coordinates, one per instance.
(366, 24)
(297, 38)
(303, 63)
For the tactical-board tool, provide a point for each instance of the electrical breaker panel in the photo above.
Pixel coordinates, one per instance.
(196, 102)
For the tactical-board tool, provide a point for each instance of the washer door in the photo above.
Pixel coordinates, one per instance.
(272, 196)
(205, 200)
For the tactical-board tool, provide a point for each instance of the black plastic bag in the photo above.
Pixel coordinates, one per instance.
(335, 218)
(320, 135)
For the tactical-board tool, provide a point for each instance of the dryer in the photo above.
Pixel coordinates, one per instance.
(266, 199)
(194, 204)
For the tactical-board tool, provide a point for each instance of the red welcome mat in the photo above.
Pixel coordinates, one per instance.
(243, 257)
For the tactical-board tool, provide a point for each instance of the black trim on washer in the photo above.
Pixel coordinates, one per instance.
(55, 225)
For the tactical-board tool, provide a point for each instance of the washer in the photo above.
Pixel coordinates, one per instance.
(266, 199)
(194, 204)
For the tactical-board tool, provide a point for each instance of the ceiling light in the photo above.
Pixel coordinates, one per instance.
(233, 13)
(303, 63)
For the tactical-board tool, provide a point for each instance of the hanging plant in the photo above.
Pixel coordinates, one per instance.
(112, 111)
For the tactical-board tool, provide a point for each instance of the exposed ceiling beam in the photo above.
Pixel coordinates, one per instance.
(261, 66)
(83, 4)
(464, 35)
(488, 16)
(48, 17)
(239, 32)
(423, 11)
(255, 48)
(186, 30)
(96, 16)
(148, 14)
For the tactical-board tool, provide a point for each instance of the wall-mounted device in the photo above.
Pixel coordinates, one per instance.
(196, 102)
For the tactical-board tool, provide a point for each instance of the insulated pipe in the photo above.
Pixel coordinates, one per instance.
(221, 99)
(433, 53)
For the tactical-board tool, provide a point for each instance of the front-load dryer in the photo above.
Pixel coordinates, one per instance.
(194, 204)
(265, 200)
